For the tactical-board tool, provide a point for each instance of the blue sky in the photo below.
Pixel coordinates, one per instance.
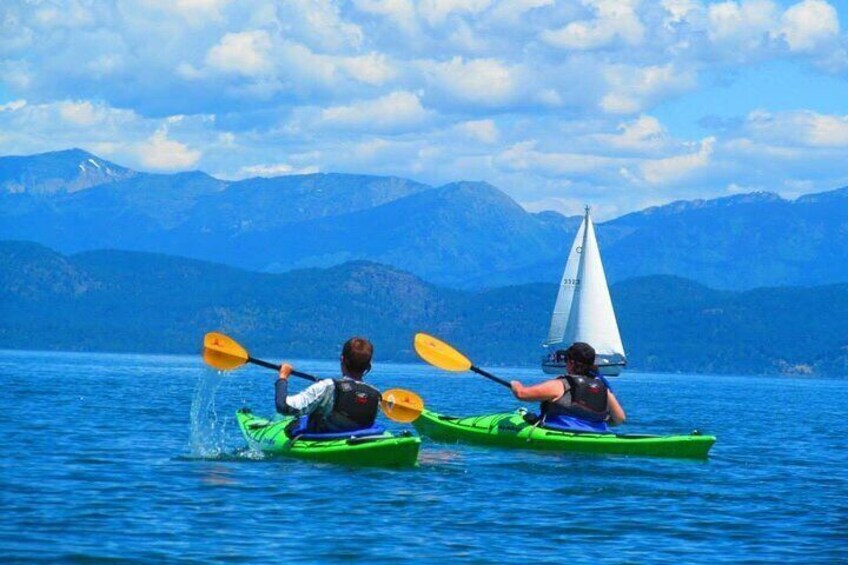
(621, 104)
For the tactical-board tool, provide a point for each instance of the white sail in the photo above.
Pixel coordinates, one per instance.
(585, 299)
(567, 285)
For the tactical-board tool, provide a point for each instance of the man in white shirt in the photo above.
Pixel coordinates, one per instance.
(335, 405)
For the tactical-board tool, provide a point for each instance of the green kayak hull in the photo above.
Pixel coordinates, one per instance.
(384, 450)
(509, 429)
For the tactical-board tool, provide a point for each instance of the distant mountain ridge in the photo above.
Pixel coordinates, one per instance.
(464, 234)
(141, 302)
(58, 172)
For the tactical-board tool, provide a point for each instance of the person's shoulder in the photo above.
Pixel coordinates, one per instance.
(322, 384)
(604, 380)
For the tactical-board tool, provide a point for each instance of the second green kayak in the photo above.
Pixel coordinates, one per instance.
(383, 450)
(510, 429)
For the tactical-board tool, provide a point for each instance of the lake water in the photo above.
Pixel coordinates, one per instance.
(137, 458)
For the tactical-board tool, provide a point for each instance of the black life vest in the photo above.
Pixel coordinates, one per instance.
(586, 398)
(355, 407)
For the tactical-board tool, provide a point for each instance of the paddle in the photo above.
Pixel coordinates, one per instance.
(224, 353)
(439, 354)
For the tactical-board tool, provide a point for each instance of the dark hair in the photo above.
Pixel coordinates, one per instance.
(356, 356)
(582, 355)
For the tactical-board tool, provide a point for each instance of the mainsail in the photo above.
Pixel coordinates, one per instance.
(567, 288)
(583, 310)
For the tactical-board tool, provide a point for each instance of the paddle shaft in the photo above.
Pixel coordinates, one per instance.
(262, 363)
(488, 375)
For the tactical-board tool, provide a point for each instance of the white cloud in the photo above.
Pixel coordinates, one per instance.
(671, 169)
(484, 131)
(549, 97)
(799, 128)
(616, 20)
(12, 106)
(525, 157)
(435, 12)
(15, 75)
(643, 135)
(372, 68)
(159, 152)
(371, 149)
(399, 12)
(247, 53)
(194, 12)
(680, 10)
(80, 113)
(809, 25)
(391, 112)
(486, 81)
(743, 24)
(827, 131)
(319, 25)
(106, 63)
(512, 11)
(71, 15)
(632, 89)
(573, 206)
(756, 27)
(275, 170)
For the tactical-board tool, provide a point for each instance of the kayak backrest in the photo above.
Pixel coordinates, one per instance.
(299, 431)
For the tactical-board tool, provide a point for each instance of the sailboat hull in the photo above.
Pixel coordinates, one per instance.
(606, 367)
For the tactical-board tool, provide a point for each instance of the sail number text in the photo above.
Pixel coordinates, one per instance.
(573, 282)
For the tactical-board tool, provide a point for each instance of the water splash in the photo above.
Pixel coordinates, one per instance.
(208, 434)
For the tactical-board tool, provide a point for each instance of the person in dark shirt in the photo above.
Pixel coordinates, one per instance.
(580, 396)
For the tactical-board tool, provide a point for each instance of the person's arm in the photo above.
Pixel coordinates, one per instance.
(302, 403)
(617, 415)
(548, 390)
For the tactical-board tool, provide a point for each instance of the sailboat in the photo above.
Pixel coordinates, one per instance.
(583, 309)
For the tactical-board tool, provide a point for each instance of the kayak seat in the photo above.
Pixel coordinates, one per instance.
(299, 431)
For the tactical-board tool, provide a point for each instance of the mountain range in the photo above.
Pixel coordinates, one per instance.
(464, 235)
(144, 302)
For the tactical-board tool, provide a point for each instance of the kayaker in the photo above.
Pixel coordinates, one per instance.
(335, 405)
(580, 399)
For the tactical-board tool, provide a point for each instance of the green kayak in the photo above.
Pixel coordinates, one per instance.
(382, 449)
(510, 429)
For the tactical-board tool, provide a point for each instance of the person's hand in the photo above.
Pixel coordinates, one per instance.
(285, 370)
(515, 386)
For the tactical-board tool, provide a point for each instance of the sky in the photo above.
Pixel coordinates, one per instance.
(620, 104)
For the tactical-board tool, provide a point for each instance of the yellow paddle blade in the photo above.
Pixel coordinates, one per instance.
(401, 405)
(222, 351)
(438, 353)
